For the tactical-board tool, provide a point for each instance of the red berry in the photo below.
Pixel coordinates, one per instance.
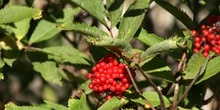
(207, 47)
(197, 45)
(197, 39)
(108, 97)
(205, 54)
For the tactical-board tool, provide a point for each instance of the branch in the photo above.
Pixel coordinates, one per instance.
(180, 65)
(187, 90)
(175, 97)
(154, 86)
(137, 89)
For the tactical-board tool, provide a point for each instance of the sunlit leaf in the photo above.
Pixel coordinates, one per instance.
(85, 87)
(18, 13)
(113, 104)
(44, 30)
(48, 71)
(165, 46)
(79, 104)
(67, 54)
(83, 29)
(117, 45)
(148, 38)
(153, 98)
(12, 106)
(132, 19)
(94, 7)
(211, 70)
(55, 106)
(1, 76)
(115, 10)
(21, 28)
(197, 64)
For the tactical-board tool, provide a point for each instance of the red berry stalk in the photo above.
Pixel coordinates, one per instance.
(208, 37)
(109, 77)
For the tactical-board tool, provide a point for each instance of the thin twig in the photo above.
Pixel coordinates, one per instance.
(180, 65)
(137, 89)
(155, 87)
(187, 90)
(175, 97)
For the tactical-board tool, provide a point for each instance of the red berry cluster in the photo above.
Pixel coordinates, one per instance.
(109, 77)
(208, 38)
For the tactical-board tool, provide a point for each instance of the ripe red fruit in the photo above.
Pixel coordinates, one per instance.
(208, 37)
(109, 77)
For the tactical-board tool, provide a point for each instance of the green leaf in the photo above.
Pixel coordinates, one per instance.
(83, 29)
(44, 30)
(148, 38)
(176, 12)
(196, 65)
(47, 29)
(48, 71)
(94, 7)
(79, 104)
(18, 13)
(10, 56)
(12, 106)
(48, 93)
(85, 87)
(132, 19)
(153, 98)
(21, 28)
(158, 68)
(8, 43)
(117, 45)
(1, 76)
(67, 54)
(69, 15)
(55, 106)
(2, 63)
(165, 46)
(113, 104)
(115, 10)
(211, 70)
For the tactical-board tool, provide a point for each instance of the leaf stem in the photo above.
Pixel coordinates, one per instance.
(154, 86)
(137, 89)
